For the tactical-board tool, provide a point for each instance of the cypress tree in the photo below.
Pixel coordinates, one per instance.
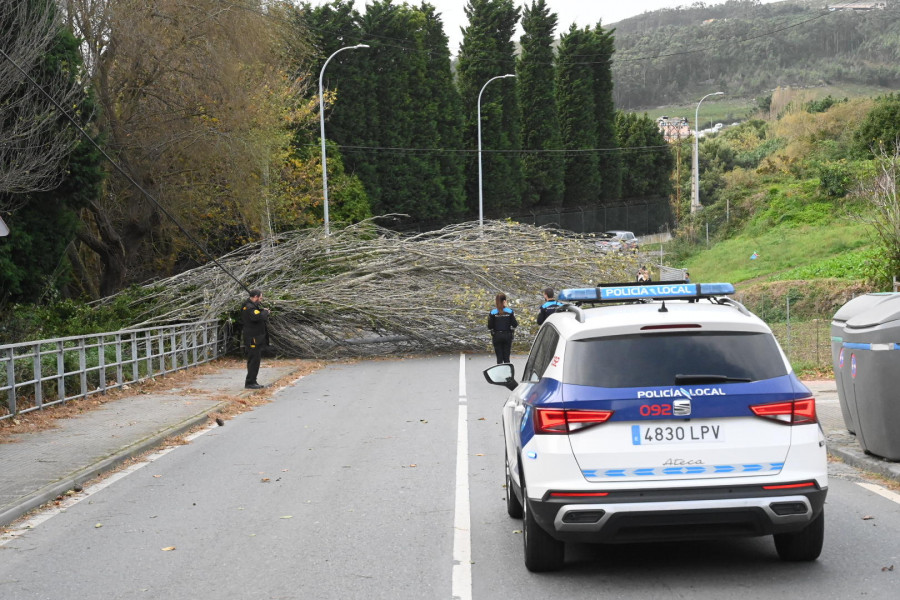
(577, 117)
(449, 185)
(488, 51)
(605, 113)
(542, 172)
(647, 160)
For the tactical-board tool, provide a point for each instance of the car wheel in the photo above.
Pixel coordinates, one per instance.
(542, 551)
(804, 545)
(513, 506)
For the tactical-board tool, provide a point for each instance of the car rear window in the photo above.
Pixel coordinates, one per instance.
(655, 359)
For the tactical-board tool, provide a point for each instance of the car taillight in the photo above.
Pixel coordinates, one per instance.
(792, 412)
(560, 420)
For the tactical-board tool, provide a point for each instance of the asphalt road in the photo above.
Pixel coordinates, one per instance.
(345, 487)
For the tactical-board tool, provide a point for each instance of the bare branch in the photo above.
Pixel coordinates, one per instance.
(34, 139)
(425, 292)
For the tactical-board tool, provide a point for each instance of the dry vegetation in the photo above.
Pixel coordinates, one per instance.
(368, 291)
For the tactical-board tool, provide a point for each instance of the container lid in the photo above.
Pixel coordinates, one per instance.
(861, 304)
(886, 311)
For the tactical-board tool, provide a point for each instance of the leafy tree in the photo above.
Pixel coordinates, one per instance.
(880, 127)
(193, 97)
(487, 51)
(577, 117)
(543, 169)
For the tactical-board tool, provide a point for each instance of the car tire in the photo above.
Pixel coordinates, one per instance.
(542, 551)
(804, 545)
(513, 506)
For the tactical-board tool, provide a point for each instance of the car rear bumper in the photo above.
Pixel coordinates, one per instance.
(665, 516)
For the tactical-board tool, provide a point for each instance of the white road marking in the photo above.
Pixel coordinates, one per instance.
(461, 586)
(892, 496)
(26, 526)
(70, 501)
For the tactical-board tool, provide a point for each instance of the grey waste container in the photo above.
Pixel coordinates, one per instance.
(852, 308)
(871, 376)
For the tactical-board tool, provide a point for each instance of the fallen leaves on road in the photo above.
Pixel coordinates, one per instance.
(265, 480)
(168, 548)
(890, 568)
(98, 525)
(868, 518)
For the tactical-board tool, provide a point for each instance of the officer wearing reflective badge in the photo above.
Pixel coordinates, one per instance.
(502, 322)
(256, 336)
(549, 306)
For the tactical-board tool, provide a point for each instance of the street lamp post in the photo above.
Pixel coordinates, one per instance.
(695, 161)
(322, 126)
(480, 191)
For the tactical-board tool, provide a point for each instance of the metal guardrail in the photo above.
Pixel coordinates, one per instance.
(42, 373)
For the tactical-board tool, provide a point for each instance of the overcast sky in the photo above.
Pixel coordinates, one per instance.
(581, 12)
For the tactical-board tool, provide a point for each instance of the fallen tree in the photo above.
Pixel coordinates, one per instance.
(366, 290)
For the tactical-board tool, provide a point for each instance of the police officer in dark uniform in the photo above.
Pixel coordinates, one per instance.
(549, 306)
(502, 322)
(256, 336)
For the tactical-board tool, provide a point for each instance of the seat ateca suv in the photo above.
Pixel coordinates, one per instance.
(661, 412)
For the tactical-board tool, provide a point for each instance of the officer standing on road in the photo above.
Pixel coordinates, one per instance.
(256, 336)
(549, 306)
(502, 322)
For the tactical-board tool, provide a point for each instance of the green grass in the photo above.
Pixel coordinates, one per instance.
(784, 250)
(725, 109)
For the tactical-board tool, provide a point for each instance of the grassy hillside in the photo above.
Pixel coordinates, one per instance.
(789, 204)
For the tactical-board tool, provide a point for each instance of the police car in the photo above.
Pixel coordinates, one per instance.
(660, 412)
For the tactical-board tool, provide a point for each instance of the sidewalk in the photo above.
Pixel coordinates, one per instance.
(841, 443)
(37, 467)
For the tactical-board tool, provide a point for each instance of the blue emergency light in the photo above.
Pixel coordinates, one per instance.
(623, 292)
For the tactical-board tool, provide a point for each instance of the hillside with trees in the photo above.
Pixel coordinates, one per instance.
(745, 48)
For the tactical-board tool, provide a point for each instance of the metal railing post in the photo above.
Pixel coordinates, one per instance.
(11, 381)
(82, 365)
(38, 388)
(101, 360)
(119, 375)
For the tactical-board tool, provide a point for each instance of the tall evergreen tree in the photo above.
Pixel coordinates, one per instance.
(447, 112)
(488, 51)
(605, 113)
(577, 117)
(542, 172)
(395, 106)
(647, 160)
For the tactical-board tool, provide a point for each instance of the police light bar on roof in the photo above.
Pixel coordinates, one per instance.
(619, 292)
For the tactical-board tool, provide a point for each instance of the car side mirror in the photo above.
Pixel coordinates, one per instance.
(504, 375)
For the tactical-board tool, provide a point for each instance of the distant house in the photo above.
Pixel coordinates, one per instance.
(674, 128)
(860, 6)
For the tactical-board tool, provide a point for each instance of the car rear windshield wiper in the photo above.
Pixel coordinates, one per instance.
(702, 378)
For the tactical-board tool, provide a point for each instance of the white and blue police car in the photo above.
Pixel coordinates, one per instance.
(661, 412)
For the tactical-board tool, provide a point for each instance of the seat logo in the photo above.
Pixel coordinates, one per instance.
(681, 408)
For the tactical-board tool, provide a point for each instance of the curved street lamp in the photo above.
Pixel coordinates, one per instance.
(322, 124)
(480, 192)
(695, 161)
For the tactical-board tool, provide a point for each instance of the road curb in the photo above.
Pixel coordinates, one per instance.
(867, 462)
(52, 490)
